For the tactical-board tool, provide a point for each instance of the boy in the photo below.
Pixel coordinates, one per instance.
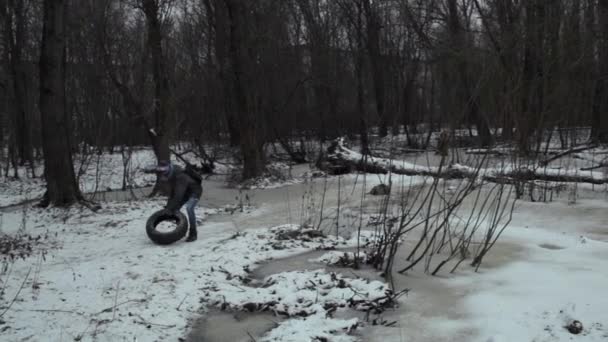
(184, 189)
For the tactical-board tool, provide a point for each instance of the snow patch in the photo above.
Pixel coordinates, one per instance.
(106, 281)
(313, 328)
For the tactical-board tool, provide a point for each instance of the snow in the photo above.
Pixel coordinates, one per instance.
(98, 277)
(335, 257)
(95, 172)
(108, 282)
(390, 164)
(349, 154)
(299, 292)
(533, 299)
(278, 175)
(13, 191)
(269, 182)
(313, 328)
(105, 171)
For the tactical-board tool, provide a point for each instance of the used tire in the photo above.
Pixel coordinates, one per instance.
(165, 238)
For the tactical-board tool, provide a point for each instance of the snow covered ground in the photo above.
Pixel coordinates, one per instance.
(13, 191)
(562, 279)
(110, 171)
(95, 173)
(106, 171)
(548, 269)
(98, 277)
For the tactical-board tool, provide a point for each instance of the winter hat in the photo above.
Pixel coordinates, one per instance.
(164, 167)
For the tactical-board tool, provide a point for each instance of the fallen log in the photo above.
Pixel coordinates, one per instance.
(568, 152)
(339, 159)
(594, 167)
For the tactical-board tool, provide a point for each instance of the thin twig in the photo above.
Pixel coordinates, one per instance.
(17, 294)
(182, 302)
(568, 152)
(115, 300)
(119, 304)
(54, 310)
(594, 167)
(143, 322)
(251, 336)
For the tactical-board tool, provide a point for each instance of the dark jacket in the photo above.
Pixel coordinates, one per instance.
(183, 187)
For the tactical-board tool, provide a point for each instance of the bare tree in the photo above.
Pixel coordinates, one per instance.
(317, 17)
(256, 73)
(62, 188)
(16, 39)
(242, 57)
(600, 98)
(160, 106)
(373, 26)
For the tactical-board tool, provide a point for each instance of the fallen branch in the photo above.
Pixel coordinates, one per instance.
(594, 167)
(340, 160)
(568, 152)
(251, 337)
(17, 294)
(115, 301)
(182, 302)
(55, 310)
(149, 324)
(142, 300)
(488, 151)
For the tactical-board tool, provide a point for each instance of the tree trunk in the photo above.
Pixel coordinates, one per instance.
(62, 189)
(21, 127)
(319, 60)
(160, 141)
(532, 90)
(359, 71)
(341, 160)
(4, 84)
(377, 69)
(599, 125)
(218, 15)
(481, 121)
(241, 62)
(161, 81)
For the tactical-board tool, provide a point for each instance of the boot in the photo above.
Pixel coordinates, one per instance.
(191, 234)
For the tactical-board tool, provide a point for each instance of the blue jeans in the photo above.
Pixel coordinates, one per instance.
(190, 205)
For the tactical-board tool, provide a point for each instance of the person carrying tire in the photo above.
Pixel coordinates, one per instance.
(185, 188)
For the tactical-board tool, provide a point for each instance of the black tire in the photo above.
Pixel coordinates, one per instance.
(166, 238)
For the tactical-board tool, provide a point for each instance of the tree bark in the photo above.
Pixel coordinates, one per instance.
(458, 40)
(241, 58)
(62, 189)
(319, 60)
(374, 26)
(162, 94)
(15, 46)
(4, 97)
(217, 14)
(359, 74)
(532, 90)
(599, 125)
(161, 82)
